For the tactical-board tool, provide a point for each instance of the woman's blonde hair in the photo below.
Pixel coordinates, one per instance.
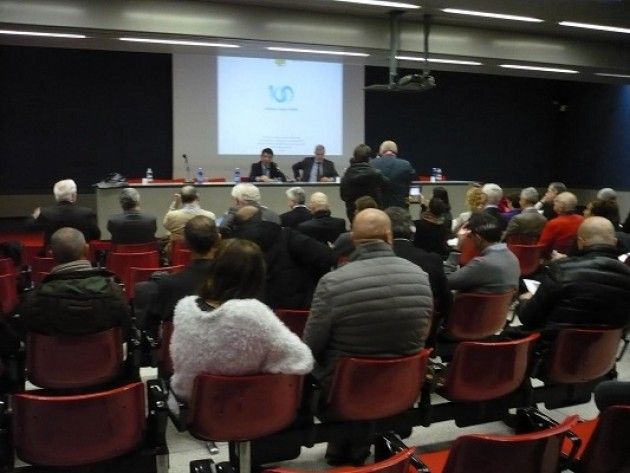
(476, 199)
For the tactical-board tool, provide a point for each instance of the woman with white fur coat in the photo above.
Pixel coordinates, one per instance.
(225, 330)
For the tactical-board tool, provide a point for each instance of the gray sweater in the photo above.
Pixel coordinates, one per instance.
(378, 305)
(495, 270)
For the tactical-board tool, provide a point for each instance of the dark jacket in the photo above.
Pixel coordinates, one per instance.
(67, 214)
(295, 216)
(590, 289)
(431, 236)
(400, 174)
(295, 263)
(75, 303)
(305, 166)
(361, 179)
(131, 227)
(323, 227)
(496, 213)
(274, 173)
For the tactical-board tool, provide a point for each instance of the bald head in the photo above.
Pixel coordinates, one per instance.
(68, 244)
(596, 231)
(370, 225)
(565, 203)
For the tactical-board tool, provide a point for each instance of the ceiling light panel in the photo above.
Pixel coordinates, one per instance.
(40, 33)
(498, 16)
(381, 3)
(538, 68)
(440, 61)
(619, 76)
(178, 42)
(317, 51)
(588, 26)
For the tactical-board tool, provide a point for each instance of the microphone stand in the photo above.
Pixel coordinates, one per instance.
(188, 176)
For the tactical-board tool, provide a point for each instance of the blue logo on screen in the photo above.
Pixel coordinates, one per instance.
(282, 94)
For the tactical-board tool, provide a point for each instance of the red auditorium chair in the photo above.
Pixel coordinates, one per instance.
(135, 247)
(164, 361)
(102, 431)
(604, 442)
(31, 251)
(294, 319)
(242, 408)
(180, 254)
(537, 452)
(40, 266)
(528, 257)
(398, 463)
(475, 316)
(137, 275)
(73, 362)
(468, 251)
(362, 387)
(98, 246)
(121, 263)
(8, 293)
(7, 266)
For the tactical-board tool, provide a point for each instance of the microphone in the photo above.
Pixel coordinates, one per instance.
(188, 177)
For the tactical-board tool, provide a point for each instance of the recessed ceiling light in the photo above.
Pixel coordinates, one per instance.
(38, 33)
(606, 74)
(537, 68)
(317, 51)
(499, 16)
(179, 42)
(381, 3)
(588, 26)
(440, 61)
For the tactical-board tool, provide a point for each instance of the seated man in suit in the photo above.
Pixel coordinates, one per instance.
(75, 298)
(131, 226)
(322, 226)
(496, 269)
(246, 194)
(299, 212)
(546, 203)
(315, 168)
(528, 225)
(266, 170)
(65, 214)
(494, 195)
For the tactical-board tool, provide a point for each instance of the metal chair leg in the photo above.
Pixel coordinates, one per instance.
(212, 447)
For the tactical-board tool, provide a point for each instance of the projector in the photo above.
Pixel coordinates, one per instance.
(414, 83)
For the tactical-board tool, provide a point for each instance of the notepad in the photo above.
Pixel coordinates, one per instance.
(531, 285)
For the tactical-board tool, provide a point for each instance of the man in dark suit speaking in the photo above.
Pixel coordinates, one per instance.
(266, 170)
(315, 168)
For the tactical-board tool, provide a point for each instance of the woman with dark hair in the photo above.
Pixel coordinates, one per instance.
(609, 209)
(361, 179)
(431, 234)
(225, 330)
(441, 193)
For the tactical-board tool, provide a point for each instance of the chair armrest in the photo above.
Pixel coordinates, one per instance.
(567, 460)
(158, 414)
(179, 418)
(394, 444)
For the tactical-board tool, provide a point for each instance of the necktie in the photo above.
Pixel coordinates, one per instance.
(319, 171)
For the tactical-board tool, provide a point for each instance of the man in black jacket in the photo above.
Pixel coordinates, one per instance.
(322, 226)
(592, 288)
(131, 226)
(315, 168)
(266, 170)
(299, 212)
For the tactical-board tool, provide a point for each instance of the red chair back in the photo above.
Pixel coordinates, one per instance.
(481, 371)
(41, 264)
(475, 316)
(239, 408)
(165, 363)
(135, 247)
(74, 362)
(7, 266)
(362, 387)
(537, 452)
(31, 251)
(8, 293)
(294, 319)
(121, 264)
(180, 254)
(607, 450)
(137, 275)
(581, 355)
(528, 257)
(66, 431)
(98, 245)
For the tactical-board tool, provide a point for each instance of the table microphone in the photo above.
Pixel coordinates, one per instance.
(188, 177)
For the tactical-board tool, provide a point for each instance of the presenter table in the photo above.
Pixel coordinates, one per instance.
(156, 198)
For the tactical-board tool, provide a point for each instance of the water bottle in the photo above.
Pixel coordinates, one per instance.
(438, 174)
(433, 174)
(199, 176)
(237, 175)
(149, 175)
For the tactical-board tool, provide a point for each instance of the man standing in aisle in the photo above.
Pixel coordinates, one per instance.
(399, 172)
(315, 168)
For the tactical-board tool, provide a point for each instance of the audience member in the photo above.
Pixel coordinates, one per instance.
(75, 298)
(344, 245)
(399, 172)
(299, 212)
(609, 209)
(513, 207)
(202, 238)
(295, 262)
(322, 226)
(315, 168)
(606, 194)
(246, 194)
(377, 305)
(65, 214)
(184, 207)
(131, 226)
(447, 217)
(559, 233)
(361, 179)
(590, 289)
(475, 201)
(226, 331)
(431, 234)
(494, 195)
(546, 204)
(527, 226)
(496, 269)
(266, 170)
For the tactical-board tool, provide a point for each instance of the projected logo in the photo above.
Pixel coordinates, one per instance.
(282, 94)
